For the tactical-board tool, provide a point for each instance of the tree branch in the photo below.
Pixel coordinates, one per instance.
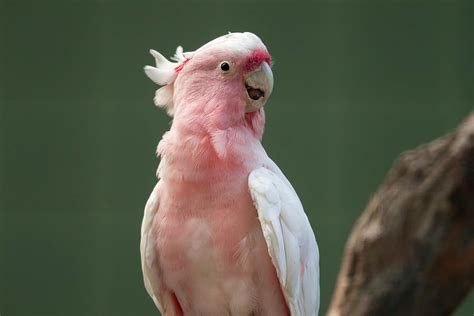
(412, 250)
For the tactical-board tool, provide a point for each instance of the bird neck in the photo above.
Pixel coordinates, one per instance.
(199, 151)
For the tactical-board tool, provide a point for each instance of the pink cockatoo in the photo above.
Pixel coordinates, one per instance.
(224, 232)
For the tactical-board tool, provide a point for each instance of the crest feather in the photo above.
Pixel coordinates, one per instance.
(164, 74)
(181, 56)
(164, 98)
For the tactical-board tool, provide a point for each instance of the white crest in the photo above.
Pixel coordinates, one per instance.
(164, 74)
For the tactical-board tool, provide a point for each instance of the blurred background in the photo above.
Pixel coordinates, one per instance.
(356, 84)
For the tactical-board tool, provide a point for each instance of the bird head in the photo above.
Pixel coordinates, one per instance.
(231, 74)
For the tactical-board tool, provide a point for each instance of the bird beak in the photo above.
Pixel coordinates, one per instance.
(259, 86)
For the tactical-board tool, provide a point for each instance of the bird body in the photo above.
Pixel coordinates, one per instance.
(224, 232)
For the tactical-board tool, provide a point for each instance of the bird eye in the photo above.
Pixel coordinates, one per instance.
(225, 66)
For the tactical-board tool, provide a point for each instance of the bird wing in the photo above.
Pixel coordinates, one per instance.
(289, 237)
(147, 249)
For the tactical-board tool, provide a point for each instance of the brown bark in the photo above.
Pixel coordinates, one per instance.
(412, 251)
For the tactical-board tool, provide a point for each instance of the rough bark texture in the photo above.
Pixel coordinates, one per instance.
(412, 250)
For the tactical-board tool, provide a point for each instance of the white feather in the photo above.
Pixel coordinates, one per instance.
(164, 98)
(160, 76)
(147, 249)
(164, 74)
(290, 239)
(160, 60)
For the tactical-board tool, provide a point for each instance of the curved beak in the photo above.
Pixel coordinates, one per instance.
(259, 86)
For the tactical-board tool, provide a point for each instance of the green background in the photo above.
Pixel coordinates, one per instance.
(356, 83)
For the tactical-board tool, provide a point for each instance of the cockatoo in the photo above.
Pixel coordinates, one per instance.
(224, 232)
